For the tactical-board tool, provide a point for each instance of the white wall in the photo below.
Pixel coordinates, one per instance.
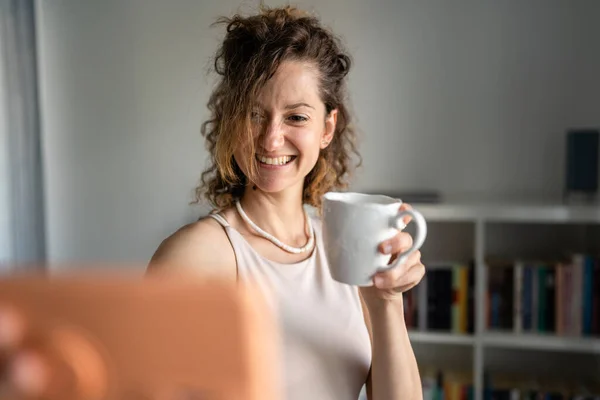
(467, 97)
(123, 88)
(474, 96)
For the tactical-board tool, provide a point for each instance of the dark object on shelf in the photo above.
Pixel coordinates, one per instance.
(440, 297)
(582, 163)
(416, 196)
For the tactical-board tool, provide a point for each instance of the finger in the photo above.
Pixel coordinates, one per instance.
(12, 328)
(399, 243)
(28, 374)
(406, 219)
(393, 275)
(40, 370)
(411, 278)
(389, 276)
(386, 278)
(401, 279)
(413, 258)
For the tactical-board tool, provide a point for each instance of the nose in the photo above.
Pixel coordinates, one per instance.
(273, 137)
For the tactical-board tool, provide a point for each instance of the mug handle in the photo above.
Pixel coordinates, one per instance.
(420, 235)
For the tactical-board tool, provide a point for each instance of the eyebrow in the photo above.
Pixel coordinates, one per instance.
(297, 105)
(291, 106)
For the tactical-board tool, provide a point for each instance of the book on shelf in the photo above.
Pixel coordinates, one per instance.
(560, 297)
(443, 300)
(447, 385)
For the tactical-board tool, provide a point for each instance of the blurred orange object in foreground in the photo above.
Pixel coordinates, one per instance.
(99, 336)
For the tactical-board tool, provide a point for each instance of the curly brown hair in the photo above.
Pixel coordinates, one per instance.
(251, 52)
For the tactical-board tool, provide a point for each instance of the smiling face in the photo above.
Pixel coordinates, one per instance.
(290, 126)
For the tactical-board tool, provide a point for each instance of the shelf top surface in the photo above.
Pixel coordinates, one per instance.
(441, 338)
(507, 340)
(510, 211)
(589, 345)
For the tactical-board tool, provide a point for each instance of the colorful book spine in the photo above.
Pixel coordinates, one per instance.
(588, 272)
(542, 271)
(518, 296)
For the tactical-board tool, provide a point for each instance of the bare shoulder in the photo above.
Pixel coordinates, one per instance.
(200, 247)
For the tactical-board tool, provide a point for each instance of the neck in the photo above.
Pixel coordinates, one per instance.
(280, 214)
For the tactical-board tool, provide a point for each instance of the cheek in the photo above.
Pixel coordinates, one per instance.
(308, 142)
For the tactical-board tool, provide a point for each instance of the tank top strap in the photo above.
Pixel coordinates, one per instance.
(220, 219)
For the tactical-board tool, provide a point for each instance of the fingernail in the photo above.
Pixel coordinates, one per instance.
(387, 248)
(28, 374)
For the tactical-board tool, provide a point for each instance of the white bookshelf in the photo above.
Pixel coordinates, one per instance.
(540, 212)
(509, 340)
(542, 342)
(475, 230)
(442, 338)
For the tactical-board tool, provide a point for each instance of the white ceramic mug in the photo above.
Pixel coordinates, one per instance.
(354, 225)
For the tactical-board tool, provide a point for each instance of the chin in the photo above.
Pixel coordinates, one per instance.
(274, 185)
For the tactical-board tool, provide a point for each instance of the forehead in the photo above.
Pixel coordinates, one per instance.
(293, 82)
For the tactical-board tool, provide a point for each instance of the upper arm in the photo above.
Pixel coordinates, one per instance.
(199, 248)
(369, 382)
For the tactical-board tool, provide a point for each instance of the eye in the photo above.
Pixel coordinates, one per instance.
(297, 118)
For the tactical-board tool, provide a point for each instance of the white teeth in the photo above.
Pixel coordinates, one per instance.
(275, 161)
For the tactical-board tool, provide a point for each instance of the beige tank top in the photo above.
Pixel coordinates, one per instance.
(326, 345)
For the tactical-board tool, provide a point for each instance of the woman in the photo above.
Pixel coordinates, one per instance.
(279, 137)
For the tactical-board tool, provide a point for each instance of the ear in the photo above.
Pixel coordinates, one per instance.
(330, 124)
